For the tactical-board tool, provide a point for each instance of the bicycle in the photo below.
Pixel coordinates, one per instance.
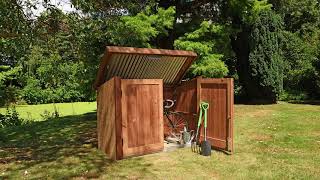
(176, 123)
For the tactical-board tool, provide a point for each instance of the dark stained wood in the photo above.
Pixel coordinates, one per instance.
(118, 117)
(186, 96)
(168, 93)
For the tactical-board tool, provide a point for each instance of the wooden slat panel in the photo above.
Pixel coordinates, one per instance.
(186, 96)
(167, 93)
(106, 119)
(142, 116)
(216, 96)
(219, 94)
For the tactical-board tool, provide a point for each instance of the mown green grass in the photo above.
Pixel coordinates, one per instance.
(279, 141)
(34, 112)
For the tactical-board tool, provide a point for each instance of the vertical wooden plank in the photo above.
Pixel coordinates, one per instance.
(130, 116)
(118, 117)
(230, 115)
(124, 116)
(143, 99)
(199, 81)
(159, 104)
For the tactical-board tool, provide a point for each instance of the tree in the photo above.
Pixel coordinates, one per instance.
(301, 39)
(209, 41)
(265, 60)
(259, 62)
(139, 30)
(8, 76)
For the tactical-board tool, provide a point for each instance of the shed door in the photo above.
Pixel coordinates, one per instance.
(219, 94)
(142, 118)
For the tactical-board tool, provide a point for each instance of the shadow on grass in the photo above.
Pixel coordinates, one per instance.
(65, 147)
(309, 102)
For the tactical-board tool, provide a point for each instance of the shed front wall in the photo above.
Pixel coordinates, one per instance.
(130, 117)
(142, 116)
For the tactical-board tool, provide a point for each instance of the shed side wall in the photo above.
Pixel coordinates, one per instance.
(106, 119)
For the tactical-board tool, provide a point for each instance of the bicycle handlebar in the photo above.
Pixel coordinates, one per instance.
(170, 105)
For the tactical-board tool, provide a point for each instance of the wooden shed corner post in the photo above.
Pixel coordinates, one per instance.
(230, 115)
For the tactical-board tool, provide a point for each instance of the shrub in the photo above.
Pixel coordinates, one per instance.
(11, 118)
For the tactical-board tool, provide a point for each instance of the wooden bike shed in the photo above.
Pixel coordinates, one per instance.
(132, 84)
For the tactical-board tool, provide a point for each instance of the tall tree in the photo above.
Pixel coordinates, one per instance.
(256, 44)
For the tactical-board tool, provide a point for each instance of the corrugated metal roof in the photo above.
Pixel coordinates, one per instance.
(144, 63)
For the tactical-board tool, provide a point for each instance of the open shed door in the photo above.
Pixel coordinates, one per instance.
(142, 118)
(219, 94)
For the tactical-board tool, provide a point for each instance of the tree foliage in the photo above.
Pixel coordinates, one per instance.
(54, 57)
(265, 60)
(209, 41)
(140, 29)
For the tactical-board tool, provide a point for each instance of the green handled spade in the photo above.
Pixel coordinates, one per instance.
(205, 145)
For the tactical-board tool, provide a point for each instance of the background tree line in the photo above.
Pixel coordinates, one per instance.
(271, 48)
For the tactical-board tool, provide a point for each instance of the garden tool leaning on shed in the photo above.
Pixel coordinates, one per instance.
(204, 148)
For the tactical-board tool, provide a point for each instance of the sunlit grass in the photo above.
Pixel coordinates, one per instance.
(279, 141)
(34, 112)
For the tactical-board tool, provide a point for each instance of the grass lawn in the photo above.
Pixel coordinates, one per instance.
(34, 112)
(279, 141)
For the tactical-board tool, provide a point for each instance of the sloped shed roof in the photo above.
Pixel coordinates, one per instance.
(144, 63)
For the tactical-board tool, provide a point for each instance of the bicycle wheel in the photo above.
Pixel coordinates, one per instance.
(174, 124)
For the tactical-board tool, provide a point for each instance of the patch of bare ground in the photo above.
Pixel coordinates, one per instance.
(261, 137)
(261, 113)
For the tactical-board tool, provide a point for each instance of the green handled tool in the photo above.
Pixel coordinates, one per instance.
(205, 146)
(195, 142)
